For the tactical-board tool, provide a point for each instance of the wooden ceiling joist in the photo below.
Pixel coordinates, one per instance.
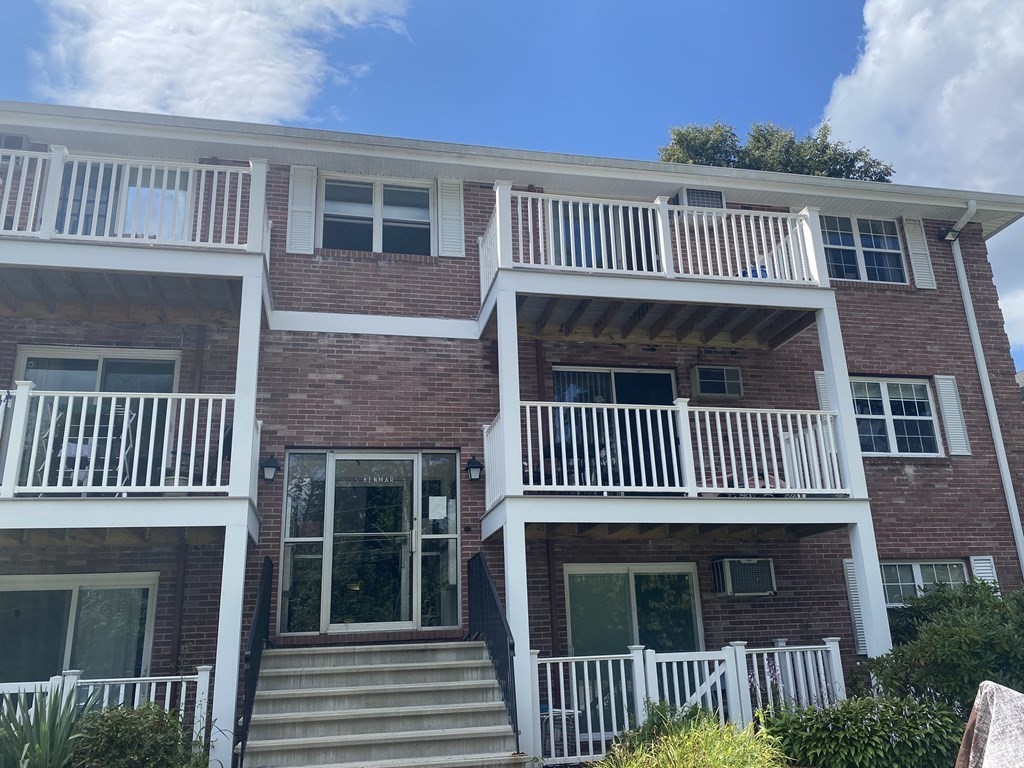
(668, 316)
(606, 317)
(635, 319)
(574, 319)
(753, 320)
(545, 316)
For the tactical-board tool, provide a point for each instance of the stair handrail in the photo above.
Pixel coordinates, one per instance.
(259, 638)
(487, 622)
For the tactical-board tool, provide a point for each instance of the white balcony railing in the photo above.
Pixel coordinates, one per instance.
(600, 448)
(86, 198)
(622, 237)
(493, 448)
(584, 702)
(187, 695)
(117, 443)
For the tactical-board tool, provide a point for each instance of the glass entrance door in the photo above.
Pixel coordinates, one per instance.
(373, 543)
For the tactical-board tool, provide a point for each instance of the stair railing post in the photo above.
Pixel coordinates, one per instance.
(784, 661)
(651, 671)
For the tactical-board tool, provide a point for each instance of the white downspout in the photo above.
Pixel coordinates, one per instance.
(986, 387)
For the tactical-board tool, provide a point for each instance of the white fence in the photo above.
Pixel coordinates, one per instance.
(85, 442)
(583, 702)
(601, 448)
(651, 238)
(188, 695)
(96, 198)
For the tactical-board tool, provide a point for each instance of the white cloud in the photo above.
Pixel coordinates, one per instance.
(939, 92)
(257, 60)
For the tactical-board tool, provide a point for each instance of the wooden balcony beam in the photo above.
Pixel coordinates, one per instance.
(545, 316)
(606, 318)
(667, 317)
(635, 319)
(688, 325)
(570, 324)
(753, 320)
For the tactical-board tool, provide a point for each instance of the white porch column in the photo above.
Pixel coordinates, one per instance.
(503, 221)
(518, 615)
(508, 394)
(246, 373)
(837, 379)
(869, 586)
(16, 438)
(815, 245)
(229, 644)
(51, 192)
(257, 206)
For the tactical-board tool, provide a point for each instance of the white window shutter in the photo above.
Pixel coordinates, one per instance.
(301, 209)
(452, 237)
(824, 401)
(920, 259)
(952, 415)
(860, 638)
(983, 568)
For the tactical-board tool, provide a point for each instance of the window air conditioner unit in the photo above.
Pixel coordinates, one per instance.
(743, 576)
(12, 141)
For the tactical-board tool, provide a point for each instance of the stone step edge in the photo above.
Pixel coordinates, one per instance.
(400, 666)
(319, 742)
(356, 690)
(296, 650)
(358, 714)
(454, 761)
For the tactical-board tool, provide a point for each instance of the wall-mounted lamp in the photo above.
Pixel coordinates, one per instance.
(269, 467)
(474, 468)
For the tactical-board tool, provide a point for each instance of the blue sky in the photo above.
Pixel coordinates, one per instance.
(914, 80)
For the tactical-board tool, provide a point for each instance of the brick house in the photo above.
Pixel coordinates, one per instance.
(711, 406)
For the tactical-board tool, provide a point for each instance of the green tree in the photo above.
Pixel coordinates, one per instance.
(771, 147)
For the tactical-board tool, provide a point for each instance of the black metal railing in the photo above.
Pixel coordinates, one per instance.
(487, 622)
(259, 638)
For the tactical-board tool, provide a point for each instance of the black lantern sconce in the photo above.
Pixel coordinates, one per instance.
(269, 467)
(474, 468)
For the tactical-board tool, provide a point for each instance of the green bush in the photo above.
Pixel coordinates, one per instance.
(662, 719)
(37, 731)
(697, 740)
(953, 639)
(870, 732)
(120, 737)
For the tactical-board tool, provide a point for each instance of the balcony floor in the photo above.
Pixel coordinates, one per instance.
(675, 531)
(89, 294)
(616, 321)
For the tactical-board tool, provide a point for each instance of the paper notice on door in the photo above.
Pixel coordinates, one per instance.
(438, 508)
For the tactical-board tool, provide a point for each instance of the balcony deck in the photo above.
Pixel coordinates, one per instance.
(584, 449)
(75, 445)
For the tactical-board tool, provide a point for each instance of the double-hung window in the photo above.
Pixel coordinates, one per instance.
(895, 417)
(377, 216)
(862, 249)
(903, 580)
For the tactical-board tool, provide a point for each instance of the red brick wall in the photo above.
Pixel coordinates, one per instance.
(202, 580)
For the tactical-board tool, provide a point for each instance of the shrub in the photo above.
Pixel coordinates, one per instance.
(37, 731)
(120, 737)
(953, 639)
(662, 719)
(870, 732)
(699, 742)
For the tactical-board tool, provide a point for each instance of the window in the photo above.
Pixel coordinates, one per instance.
(377, 216)
(716, 381)
(101, 624)
(895, 417)
(862, 249)
(903, 580)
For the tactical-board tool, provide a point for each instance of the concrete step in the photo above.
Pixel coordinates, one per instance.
(408, 745)
(333, 656)
(375, 697)
(382, 721)
(384, 673)
(485, 760)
